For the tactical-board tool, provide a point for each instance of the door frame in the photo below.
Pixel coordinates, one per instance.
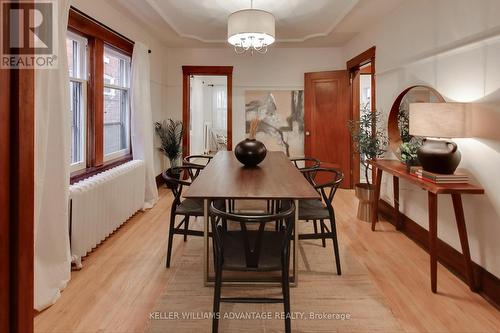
(187, 71)
(353, 67)
(17, 200)
(309, 101)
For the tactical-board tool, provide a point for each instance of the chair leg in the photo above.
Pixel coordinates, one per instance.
(170, 238)
(217, 292)
(315, 224)
(285, 285)
(322, 225)
(335, 244)
(186, 227)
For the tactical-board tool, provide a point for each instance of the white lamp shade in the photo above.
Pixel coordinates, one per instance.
(440, 120)
(244, 24)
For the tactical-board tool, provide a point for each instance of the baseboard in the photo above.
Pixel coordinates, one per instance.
(488, 284)
(159, 181)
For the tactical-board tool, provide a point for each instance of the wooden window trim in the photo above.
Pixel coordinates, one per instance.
(17, 200)
(86, 25)
(98, 35)
(92, 171)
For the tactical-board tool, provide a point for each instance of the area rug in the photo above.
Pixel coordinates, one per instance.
(322, 302)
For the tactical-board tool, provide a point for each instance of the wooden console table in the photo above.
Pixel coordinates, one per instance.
(398, 170)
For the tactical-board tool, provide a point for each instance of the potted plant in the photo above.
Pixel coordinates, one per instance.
(170, 133)
(370, 141)
(408, 152)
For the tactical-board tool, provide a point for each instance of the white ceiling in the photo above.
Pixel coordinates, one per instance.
(299, 23)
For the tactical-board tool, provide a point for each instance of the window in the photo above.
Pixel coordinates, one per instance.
(99, 68)
(116, 103)
(76, 47)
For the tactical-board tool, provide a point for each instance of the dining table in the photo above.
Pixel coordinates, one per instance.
(225, 178)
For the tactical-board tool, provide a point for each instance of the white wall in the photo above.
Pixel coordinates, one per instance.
(280, 68)
(124, 24)
(453, 46)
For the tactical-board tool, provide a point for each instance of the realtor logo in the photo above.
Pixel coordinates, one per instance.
(29, 34)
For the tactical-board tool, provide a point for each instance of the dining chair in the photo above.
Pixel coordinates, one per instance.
(177, 178)
(246, 245)
(322, 209)
(306, 163)
(302, 163)
(198, 160)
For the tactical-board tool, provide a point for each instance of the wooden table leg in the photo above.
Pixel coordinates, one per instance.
(395, 186)
(433, 238)
(378, 182)
(462, 233)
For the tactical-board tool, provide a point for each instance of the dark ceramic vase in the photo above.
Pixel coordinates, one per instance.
(250, 152)
(439, 156)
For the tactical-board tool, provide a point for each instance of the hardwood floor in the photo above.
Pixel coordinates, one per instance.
(122, 279)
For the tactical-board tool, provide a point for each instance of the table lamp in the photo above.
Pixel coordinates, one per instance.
(435, 122)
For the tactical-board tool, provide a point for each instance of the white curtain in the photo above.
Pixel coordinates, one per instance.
(219, 108)
(52, 157)
(142, 120)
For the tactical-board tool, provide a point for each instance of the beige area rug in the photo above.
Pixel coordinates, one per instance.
(322, 302)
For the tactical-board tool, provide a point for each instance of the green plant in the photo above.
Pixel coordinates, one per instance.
(170, 132)
(408, 151)
(404, 121)
(368, 136)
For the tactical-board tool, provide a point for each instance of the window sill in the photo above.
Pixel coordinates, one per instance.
(89, 172)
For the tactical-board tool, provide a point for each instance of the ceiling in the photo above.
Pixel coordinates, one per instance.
(299, 23)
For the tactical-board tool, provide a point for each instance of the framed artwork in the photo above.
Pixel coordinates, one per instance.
(281, 115)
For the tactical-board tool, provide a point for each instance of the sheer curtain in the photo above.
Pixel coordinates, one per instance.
(142, 120)
(52, 159)
(219, 108)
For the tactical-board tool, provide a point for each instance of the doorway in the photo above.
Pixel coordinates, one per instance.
(208, 114)
(365, 106)
(362, 84)
(207, 109)
(326, 115)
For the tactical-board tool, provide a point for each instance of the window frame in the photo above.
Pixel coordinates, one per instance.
(82, 79)
(97, 35)
(123, 88)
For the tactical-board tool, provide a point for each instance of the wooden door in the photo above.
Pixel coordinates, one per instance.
(327, 112)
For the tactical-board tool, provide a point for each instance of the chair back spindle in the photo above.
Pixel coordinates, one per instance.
(251, 229)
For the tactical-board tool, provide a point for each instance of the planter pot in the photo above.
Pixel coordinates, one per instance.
(250, 152)
(173, 164)
(366, 195)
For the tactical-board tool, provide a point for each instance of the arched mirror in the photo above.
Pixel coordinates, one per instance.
(398, 125)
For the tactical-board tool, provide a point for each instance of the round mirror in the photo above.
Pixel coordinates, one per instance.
(398, 124)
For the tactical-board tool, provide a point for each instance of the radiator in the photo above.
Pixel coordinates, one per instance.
(102, 203)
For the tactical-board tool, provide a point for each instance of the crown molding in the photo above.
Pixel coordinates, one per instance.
(326, 33)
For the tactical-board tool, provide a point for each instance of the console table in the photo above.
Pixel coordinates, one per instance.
(398, 170)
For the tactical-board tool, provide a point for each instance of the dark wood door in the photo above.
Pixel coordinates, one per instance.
(327, 111)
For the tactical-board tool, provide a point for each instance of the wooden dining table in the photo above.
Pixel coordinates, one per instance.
(226, 178)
